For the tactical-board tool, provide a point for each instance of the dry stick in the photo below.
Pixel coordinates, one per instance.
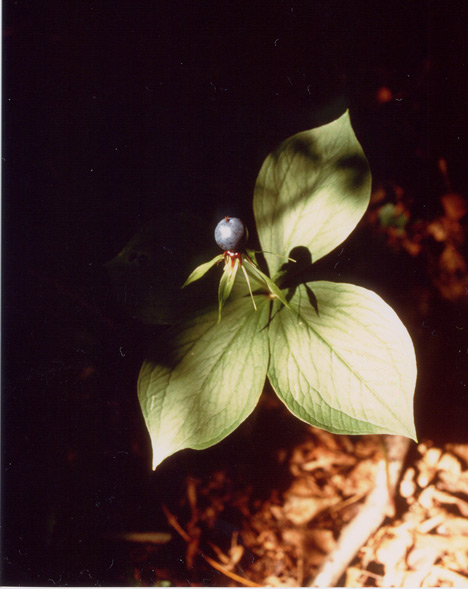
(172, 520)
(370, 517)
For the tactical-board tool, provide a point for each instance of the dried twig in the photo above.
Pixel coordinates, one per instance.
(377, 506)
(172, 520)
(141, 537)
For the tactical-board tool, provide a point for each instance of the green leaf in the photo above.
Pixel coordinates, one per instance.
(226, 283)
(312, 191)
(201, 270)
(204, 378)
(343, 361)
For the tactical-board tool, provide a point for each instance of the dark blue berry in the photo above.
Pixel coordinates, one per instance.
(229, 234)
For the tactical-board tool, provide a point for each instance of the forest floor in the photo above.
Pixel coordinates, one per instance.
(282, 540)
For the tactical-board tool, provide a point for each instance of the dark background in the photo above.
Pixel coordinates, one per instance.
(115, 113)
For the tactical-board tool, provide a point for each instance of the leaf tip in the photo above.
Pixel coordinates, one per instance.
(413, 435)
(159, 457)
(408, 432)
(411, 431)
(156, 461)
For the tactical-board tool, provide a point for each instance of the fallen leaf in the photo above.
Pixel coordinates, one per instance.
(460, 450)
(301, 510)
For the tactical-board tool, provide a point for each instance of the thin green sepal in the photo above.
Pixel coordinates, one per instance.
(272, 287)
(201, 270)
(226, 283)
(250, 288)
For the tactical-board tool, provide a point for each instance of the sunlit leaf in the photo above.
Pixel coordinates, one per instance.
(204, 378)
(312, 191)
(342, 360)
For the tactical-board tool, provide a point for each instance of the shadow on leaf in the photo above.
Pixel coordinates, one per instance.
(355, 169)
(312, 172)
